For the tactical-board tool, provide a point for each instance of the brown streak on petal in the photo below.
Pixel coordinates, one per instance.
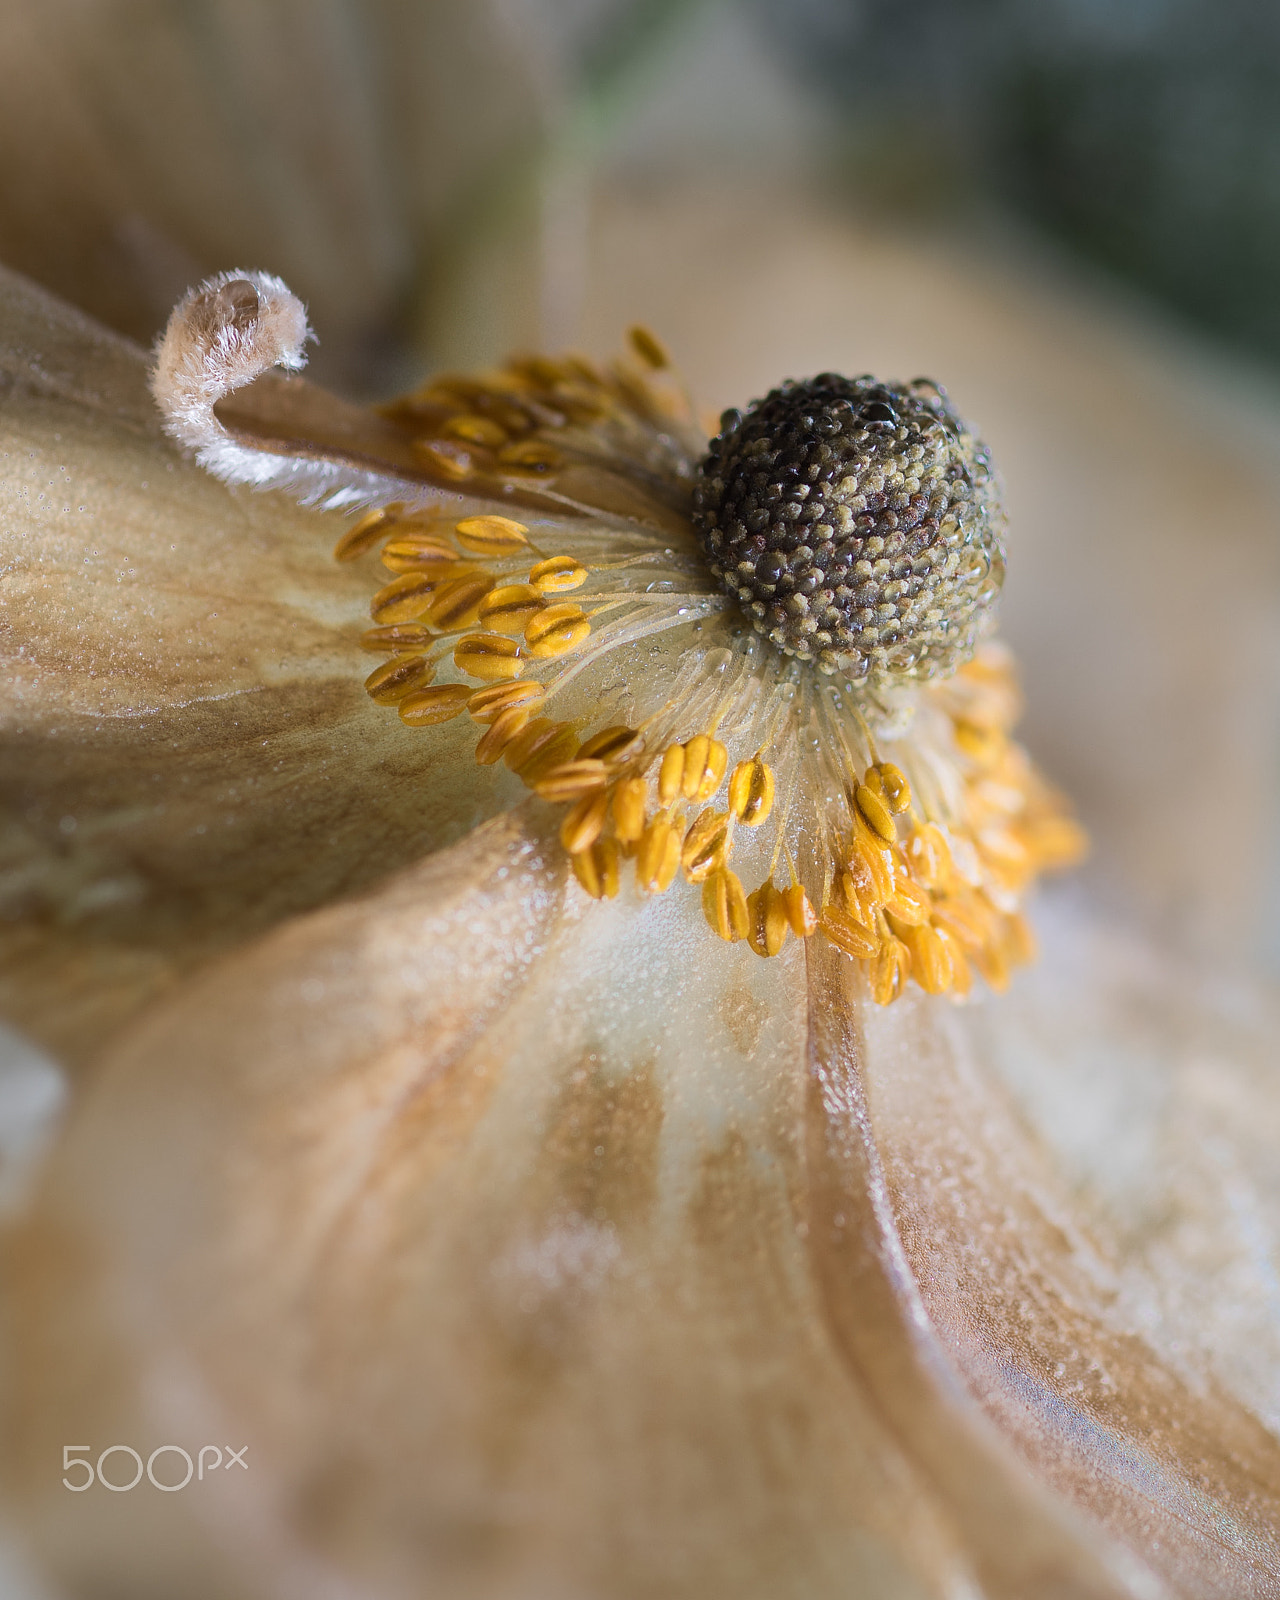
(1020, 1540)
(956, 1295)
(1025, 1302)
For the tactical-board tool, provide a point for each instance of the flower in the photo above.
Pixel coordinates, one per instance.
(703, 664)
(542, 1245)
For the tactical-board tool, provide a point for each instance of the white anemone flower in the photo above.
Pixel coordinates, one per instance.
(626, 1195)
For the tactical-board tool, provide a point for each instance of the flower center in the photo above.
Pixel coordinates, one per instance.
(857, 523)
(857, 526)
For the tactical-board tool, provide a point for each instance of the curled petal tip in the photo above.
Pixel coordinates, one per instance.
(222, 335)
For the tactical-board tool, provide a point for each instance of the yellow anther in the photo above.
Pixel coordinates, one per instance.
(704, 845)
(870, 868)
(705, 760)
(751, 792)
(992, 962)
(930, 857)
(658, 855)
(491, 536)
(453, 462)
(629, 798)
(893, 787)
(968, 916)
(856, 893)
(596, 869)
(476, 430)
(875, 813)
(570, 779)
(492, 657)
(671, 774)
(556, 631)
(801, 917)
(407, 598)
(610, 742)
(493, 742)
(890, 967)
(585, 821)
(980, 743)
(724, 905)
(509, 607)
(530, 458)
(847, 933)
(456, 603)
(365, 533)
(961, 977)
(398, 638)
(557, 574)
(486, 704)
(396, 678)
(543, 744)
(424, 707)
(931, 965)
(909, 903)
(648, 347)
(767, 923)
(420, 553)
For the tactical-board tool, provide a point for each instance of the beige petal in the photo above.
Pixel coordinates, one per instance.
(541, 1252)
(188, 754)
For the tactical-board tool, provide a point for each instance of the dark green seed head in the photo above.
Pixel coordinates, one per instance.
(857, 523)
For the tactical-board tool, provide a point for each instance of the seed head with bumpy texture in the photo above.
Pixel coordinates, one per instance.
(857, 523)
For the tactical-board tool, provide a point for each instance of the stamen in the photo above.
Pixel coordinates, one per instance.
(705, 760)
(492, 536)
(542, 746)
(629, 797)
(364, 534)
(486, 704)
(557, 574)
(724, 905)
(768, 924)
(396, 678)
(440, 703)
(493, 742)
(648, 347)
(705, 845)
(510, 607)
(751, 791)
(875, 813)
(658, 855)
(801, 917)
(398, 637)
(585, 820)
(491, 657)
(555, 631)
(570, 779)
(596, 869)
(610, 743)
(848, 933)
(456, 604)
(405, 599)
(420, 553)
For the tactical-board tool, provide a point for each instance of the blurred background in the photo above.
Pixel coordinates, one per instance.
(1067, 211)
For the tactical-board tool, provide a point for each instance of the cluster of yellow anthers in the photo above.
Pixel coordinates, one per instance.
(899, 892)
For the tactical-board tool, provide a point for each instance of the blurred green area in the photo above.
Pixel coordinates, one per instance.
(1143, 134)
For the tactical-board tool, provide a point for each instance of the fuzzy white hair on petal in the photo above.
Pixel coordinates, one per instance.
(222, 335)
